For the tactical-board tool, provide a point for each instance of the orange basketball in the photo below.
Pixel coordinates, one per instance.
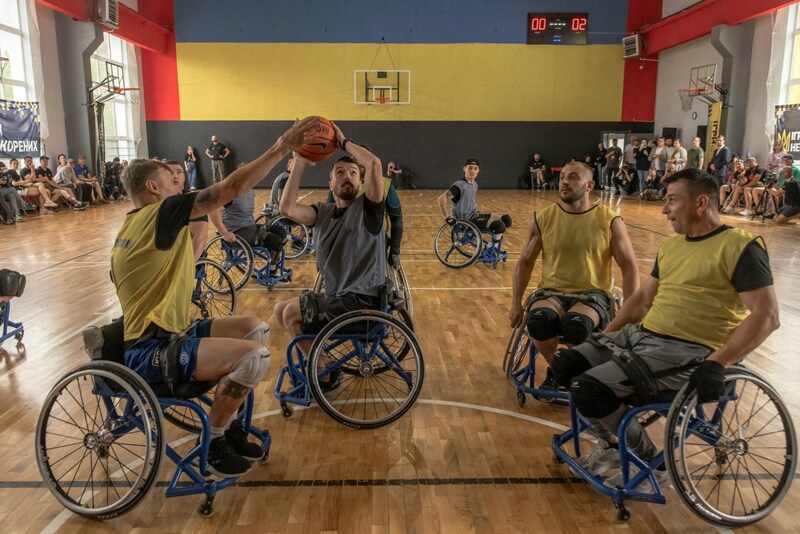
(323, 146)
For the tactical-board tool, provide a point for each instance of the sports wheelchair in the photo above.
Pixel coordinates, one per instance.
(214, 293)
(300, 238)
(463, 243)
(731, 461)
(243, 261)
(519, 360)
(400, 292)
(12, 284)
(101, 436)
(375, 358)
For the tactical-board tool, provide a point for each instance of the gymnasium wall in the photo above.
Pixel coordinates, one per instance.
(246, 68)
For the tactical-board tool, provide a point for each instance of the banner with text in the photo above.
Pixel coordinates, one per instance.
(787, 128)
(19, 129)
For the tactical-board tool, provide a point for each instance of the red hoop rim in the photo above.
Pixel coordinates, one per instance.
(695, 90)
(382, 100)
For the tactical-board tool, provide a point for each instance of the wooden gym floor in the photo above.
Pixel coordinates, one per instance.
(466, 458)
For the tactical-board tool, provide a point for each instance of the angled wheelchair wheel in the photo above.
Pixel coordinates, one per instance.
(363, 351)
(517, 351)
(298, 238)
(733, 460)
(214, 293)
(236, 258)
(100, 440)
(400, 286)
(458, 246)
(186, 418)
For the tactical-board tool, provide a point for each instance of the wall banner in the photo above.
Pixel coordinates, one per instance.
(19, 129)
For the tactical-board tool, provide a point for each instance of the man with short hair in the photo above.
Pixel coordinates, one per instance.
(658, 158)
(629, 154)
(695, 155)
(10, 194)
(153, 268)
(350, 248)
(217, 152)
(791, 194)
(751, 178)
(708, 302)
(85, 177)
(720, 160)
(65, 177)
(463, 194)
(538, 168)
(613, 157)
(577, 240)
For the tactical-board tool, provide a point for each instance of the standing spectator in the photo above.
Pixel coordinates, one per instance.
(217, 152)
(669, 148)
(630, 152)
(538, 169)
(599, 163)
(190, 163)
(679, 155)
(695, 155)
(642, 163)
(719, 160)
(658, 157)
(404, 176)
(613, 157)
(775, 158)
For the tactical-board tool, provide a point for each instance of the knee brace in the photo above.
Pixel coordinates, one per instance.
(260, 333)
(576, 327)
(279, 230)
(506, 220)
(593, 398)
(567, 364)
(250, 368)
(543, 324)
(497, 227)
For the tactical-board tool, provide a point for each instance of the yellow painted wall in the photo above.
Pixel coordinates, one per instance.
(449, 82)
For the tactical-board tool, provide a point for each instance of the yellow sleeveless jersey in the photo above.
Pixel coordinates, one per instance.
(153, 286)
(576, 248)
(696, 300)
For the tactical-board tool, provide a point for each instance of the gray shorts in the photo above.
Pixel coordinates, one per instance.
(658, 352)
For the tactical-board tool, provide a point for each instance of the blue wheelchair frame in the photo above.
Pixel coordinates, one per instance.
(10, 328)
(491, 247)
(235, 256)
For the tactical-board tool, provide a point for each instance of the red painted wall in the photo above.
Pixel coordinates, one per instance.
(160, 71)
(639, 85)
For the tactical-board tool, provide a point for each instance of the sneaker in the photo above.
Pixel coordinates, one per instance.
(769, 215)
(662, 477)
(600, 459)
(745, 213)
(45, 211)
(20, 218)
(78, 207)
(236, 436)
(729, 209)
(223, 460)
(549, 384)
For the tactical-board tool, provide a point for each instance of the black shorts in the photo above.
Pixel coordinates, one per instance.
(599, 301)
(481, 220)
(319, 309)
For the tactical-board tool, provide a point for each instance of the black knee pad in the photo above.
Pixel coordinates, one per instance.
(576, 327)
(543, 324)
(273, 243)
(593, 398)
(278, 229)
(497, 227)
(506, 220)
(567, 364)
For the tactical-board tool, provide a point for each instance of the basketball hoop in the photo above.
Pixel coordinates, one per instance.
(131, 94)
(381, 100)
(687, 97)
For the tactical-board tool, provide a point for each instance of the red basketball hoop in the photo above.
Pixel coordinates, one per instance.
(381, 100)
(687, 97)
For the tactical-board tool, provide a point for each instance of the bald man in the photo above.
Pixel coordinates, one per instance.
(577, 240)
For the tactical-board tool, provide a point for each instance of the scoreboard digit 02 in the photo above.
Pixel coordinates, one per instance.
(557, 28)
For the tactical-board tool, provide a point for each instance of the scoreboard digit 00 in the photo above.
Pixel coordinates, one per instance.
(557, 28)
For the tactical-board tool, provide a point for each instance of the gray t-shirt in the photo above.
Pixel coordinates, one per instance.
(464, 198)
(238, 213)
(277, 188)
(351, 258)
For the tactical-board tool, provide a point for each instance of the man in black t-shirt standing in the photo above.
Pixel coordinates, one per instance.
(217, 152)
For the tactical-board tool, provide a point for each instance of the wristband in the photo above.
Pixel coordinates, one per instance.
(344, 142)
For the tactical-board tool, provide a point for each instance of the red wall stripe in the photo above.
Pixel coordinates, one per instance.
(160, 71)
(639, 85)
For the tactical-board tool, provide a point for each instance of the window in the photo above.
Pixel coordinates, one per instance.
(14, 47)
(110, 67)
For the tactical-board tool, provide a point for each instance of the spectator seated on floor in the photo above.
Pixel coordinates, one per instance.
(751, 178)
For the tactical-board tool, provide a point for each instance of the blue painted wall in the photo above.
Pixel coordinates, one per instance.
(368, 21)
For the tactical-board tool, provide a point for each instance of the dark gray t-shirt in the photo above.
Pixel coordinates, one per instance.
(464, 198)
(238, 213)
(351, 247)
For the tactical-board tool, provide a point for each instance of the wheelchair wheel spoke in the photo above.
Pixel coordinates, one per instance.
(755, 479)
(74, 422)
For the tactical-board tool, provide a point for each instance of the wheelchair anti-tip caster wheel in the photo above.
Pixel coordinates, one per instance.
(206, 508)
(520, 398)
(286, 410)
(622, 512)
(18, 336)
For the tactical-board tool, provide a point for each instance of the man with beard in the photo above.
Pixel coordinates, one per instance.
(463, 194)
(350, 249)
(577, 241)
